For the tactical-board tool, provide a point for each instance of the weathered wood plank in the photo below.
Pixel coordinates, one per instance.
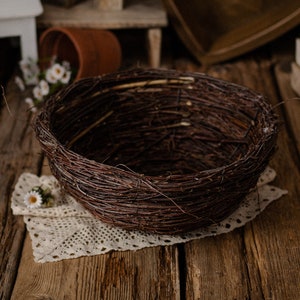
(19, 153)
(137, 14)
(151, 273)
(216, 268)
(145, 274)
(109, 5)
(291, 100)
(274, 240)
(261, 262)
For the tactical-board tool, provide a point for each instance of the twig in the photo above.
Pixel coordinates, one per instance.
(180, 80)
(5, 100)
(84, 132)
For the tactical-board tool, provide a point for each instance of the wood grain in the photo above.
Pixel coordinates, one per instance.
(274, 241)
(137, 14)
(150, 273)
(253, 263)
(19, 153)
(217, 31)
(109, 5)
(259, 261)
(290, 99)
(216, 268)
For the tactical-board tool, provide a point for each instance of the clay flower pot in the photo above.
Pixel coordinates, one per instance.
(91, 51)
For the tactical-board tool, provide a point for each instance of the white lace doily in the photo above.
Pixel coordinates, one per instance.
(68, 231)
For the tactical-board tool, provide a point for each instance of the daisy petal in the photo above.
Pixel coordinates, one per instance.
(33, 199)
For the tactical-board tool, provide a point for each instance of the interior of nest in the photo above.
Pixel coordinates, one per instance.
(163, 130)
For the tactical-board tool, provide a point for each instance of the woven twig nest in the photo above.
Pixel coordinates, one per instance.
(157, 150)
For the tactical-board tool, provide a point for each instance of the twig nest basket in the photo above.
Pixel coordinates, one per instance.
(160, 151)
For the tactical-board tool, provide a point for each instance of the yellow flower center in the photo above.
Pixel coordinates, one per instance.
(32, 199)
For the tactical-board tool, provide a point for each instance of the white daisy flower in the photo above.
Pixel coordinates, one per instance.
(37, 93)
(44, 83)
(20, 83)
(66, 77)
(49, 76)
(44, 86)
(57, 71)
(30, 79)
(33, 199)
(30, 71)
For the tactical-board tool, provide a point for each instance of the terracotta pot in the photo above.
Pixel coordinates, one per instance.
(91, 51)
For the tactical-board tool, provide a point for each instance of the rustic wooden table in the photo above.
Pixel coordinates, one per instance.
(258, 261)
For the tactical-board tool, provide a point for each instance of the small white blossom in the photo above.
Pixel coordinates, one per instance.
(37, 93)
(46, 82)
(66, 77)
(30, 79)
(30, 71)
(29, 101)
(66, 65)
(20, 83)
(33, 199)
(44, 87)
(57, 71)
(25, 66)
(49, 76)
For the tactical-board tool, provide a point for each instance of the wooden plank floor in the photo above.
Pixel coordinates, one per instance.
(259, 261)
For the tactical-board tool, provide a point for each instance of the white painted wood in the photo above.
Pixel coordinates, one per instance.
(10, 9)
(298, 51)
(295, 69)
(295, 78)
(154, 37)
(24, 28)
(17, 18)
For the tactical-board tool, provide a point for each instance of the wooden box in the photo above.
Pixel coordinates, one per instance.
(219, 30)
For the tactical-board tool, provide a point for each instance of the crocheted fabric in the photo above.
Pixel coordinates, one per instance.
(66, 230)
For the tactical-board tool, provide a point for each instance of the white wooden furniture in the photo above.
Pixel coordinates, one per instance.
(295, 74)
(148, 14)
(17, 18)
